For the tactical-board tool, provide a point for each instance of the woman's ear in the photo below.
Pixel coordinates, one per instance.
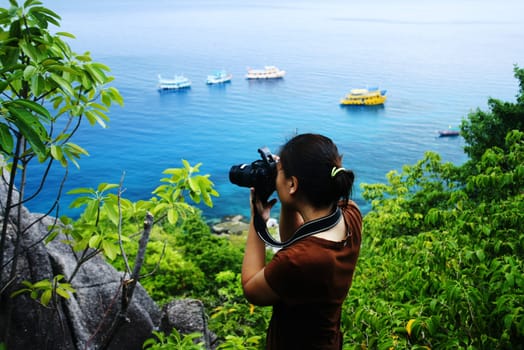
(292, 184)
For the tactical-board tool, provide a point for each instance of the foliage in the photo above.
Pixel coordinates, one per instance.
(46, 290)
(47, 90)
(234, 319)
(168, 273)
(175, 340)
(211, 253)
(483, 130)
(236, 323)
(100, 228)
(407, 198)
(172, 196)
(238, 343)
(185, 258)
(46, 93)
(457, 282)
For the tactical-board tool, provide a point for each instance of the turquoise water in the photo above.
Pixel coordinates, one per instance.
(437, 61)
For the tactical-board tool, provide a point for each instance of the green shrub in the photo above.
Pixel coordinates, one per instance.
(175, 340)
(457, 282)
(233, 317)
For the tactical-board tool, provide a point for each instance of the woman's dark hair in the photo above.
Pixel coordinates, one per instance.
(312, 159)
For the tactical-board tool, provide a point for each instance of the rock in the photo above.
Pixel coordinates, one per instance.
(83, 320)
(187, 316)
(231, 225)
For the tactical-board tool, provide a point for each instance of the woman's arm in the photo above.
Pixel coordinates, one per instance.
(254, 284)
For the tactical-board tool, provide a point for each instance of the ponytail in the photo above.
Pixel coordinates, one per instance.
(343, 183)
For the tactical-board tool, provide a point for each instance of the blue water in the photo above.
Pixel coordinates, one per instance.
(438, 61)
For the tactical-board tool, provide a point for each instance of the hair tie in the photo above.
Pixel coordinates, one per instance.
(336, 170)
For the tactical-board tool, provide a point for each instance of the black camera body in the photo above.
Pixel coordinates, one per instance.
(261, 174)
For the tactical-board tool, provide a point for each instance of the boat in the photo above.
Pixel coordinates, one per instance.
(450, 132)
(269, 72)
(364, 97)
(219, 77)
(178, 82)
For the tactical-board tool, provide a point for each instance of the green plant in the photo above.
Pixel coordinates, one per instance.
(46, 92)
(175, 340)
(233, 318)
(486, 129)
(455, 281)
(174, 274)
(46, 290)
(211, 253)
(239, 343)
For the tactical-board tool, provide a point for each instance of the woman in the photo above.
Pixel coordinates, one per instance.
(307, 281)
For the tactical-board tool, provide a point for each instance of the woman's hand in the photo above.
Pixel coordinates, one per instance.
(262, 208)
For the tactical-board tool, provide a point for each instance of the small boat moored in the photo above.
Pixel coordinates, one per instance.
(219, 77)
(178, 82)
(364, 97)
(450, 132)
(269, 72)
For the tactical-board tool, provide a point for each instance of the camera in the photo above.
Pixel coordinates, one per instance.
(261, 174)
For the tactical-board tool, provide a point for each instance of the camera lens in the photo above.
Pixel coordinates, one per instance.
(241, 175)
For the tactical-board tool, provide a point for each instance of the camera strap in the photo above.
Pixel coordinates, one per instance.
(308, 229)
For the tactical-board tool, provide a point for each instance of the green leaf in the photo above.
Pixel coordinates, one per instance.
(63, 293)
(28, 125)
(112, 213)
(20, 291)
(110, 250)
(186, 165)
(29, 50)
(95, 73)
(193, 185)
(49, 15)
(63, 84)
(81, 190)
(29, 71)
(66, 34)
(46, 297)
(172, 216)
(56, 153)
(37, 84)
(480, 255)
(104, 187)
(81, 201)
(42, 284)
(52, 235)
(76, 149)
(6, 139)
(115, 94)
(93, 118)
(94, 241)
(207, 199)
(67, 287)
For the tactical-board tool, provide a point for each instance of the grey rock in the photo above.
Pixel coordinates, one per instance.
(231, 225)
(187, 317)
(83, 320)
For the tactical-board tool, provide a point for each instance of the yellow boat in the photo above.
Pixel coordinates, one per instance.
(364, 97)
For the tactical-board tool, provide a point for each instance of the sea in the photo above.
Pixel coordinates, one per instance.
(438, 61)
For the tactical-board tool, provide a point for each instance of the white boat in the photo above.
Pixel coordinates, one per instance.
(269, 72)
(219, 77)
(178, 82)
